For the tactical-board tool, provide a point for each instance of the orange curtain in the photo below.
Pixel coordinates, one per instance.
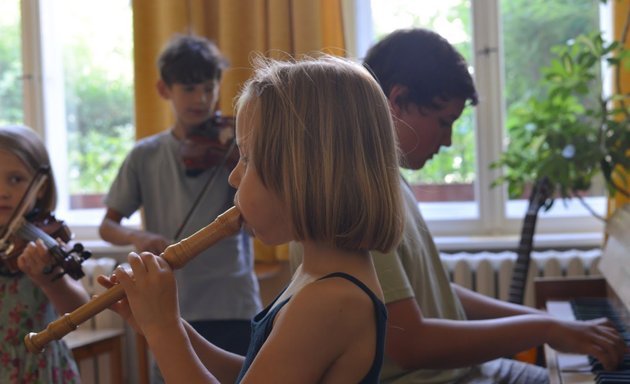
(621, 10)
(239, 28)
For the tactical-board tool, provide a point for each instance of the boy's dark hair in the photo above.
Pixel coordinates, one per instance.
(188, 59)
(424, 62)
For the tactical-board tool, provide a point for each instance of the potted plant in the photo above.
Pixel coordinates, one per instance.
(573, 133)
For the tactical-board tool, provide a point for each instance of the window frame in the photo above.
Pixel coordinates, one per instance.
(492, 219)
(44, 108)
(491, 226)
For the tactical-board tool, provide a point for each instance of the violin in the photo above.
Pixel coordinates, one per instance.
(23, 228)
(211, 144)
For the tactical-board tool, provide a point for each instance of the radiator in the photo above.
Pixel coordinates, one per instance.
(490, 273)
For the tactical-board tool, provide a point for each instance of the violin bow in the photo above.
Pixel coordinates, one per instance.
(18, 213)
(209, 183)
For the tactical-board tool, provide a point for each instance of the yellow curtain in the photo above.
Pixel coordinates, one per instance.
(239, 28)
(621, 10)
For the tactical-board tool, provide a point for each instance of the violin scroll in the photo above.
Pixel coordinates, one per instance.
(70, 262)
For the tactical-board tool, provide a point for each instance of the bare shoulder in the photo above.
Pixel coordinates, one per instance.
(328, 317)
(335, 298)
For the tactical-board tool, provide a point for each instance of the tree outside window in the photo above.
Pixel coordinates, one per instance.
(529, 29)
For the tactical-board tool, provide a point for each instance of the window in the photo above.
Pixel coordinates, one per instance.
(75, 86)
(506, 42)
(10, 63)
(451, 175)
(71, 63)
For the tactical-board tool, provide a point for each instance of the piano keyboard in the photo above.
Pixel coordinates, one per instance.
(592, 308)
(582, 369)
(613, 301)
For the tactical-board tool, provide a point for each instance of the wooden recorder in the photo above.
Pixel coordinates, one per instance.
(177, 255)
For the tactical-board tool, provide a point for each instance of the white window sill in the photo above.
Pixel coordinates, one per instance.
(84, 224)
(507, 242)
(100, 248)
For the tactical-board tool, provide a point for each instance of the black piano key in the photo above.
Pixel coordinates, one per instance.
(593, 308)
(597, 366)
(613, 377)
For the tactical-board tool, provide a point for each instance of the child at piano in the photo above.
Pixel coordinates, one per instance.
(440, 332)
(318, 164)
(29, 298)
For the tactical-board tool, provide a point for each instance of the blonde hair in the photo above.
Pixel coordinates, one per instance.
(326, 146)
(24, 143)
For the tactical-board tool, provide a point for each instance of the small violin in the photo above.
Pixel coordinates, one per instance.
(211, 144)
(47, 229)
(22, 229)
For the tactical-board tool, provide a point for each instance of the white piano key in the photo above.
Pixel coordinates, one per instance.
(567, 362)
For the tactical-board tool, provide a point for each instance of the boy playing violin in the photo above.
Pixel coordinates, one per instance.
(153, 177)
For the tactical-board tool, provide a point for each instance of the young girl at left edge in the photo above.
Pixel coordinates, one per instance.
(30, 299)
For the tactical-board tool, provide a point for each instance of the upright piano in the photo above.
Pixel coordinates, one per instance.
(582, 299)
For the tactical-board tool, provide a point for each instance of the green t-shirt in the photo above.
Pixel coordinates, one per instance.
(414, 269)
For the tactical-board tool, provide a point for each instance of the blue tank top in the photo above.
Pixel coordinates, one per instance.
(262, 324)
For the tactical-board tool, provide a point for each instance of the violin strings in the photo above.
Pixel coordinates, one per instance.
(31, 232)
